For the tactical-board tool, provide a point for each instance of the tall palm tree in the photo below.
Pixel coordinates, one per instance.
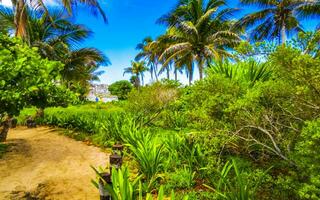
(20, 9)
(81, 65)
(47, 30)
(199, 30)
(137, 69)
(193, 10)
(148, 51)
(278, 18)
(202, 41)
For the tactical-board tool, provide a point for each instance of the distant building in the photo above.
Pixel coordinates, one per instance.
(100, 92)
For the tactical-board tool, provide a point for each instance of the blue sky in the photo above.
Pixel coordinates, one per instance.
(129, 22)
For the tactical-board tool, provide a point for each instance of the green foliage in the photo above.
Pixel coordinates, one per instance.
(263, 115)
(249, 71)
(180, 179)
(99, 122)
(23, 74)
(148, 153)
(308, 159)
(125, 188)
(121, 89)
(240, 189)
(148, 102)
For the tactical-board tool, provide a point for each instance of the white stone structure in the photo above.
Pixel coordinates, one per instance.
(101, 91)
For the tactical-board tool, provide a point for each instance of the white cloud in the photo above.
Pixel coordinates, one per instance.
(6, 3)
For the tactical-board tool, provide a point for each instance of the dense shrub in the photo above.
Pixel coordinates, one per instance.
(121, 89)
(308, 159)
(148, 102)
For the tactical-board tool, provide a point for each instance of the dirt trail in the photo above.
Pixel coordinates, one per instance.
(41, 164)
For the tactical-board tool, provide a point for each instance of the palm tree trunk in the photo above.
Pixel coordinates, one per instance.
(142, 82)
(200, 63)
(137, 82)
(156, 71)
(175, 74)
(20, 18)
(283, 33)
(168, 72)
(151, 72)
(190, 79)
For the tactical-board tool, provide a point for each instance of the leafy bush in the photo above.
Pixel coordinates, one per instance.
(180, 179)
(23, 73)
(121, 89)
(308, 159)
(148, 102)
(27, 79)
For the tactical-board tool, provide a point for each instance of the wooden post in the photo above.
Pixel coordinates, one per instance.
(118, 148)
(104, 193)
(116, 161)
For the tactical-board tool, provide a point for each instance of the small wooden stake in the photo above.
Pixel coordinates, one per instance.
(116, 160)
(104, 193)
(118, 148)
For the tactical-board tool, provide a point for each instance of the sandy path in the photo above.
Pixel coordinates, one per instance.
(44, 165)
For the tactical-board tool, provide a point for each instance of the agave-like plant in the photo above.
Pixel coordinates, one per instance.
(239, 189)
(148, 153)
(125, 188)
(250, 71)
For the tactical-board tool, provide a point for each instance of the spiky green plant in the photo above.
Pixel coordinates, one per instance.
(148, 153)
(250, 71)
(125, 188)
(237, 189)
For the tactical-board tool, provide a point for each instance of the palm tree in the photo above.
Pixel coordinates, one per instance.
(193, 10)
(137, 69)
(20, 11)
(81, 65)
(149, 53)
(199, 31)
(278, 18)
(48, 31)
(202, 41)
(57, 38)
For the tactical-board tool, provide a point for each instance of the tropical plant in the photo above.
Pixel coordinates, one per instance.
(120, 89)
(123, 188)
(81, 65)
(241, 189)
(23, 74)
(250, 71)
(137, 69)
(148, 153)
(58, 38)
(307, 157)
(277, 19)
(147, 103)
(199, 34)
(21, 18)
(149, 52)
